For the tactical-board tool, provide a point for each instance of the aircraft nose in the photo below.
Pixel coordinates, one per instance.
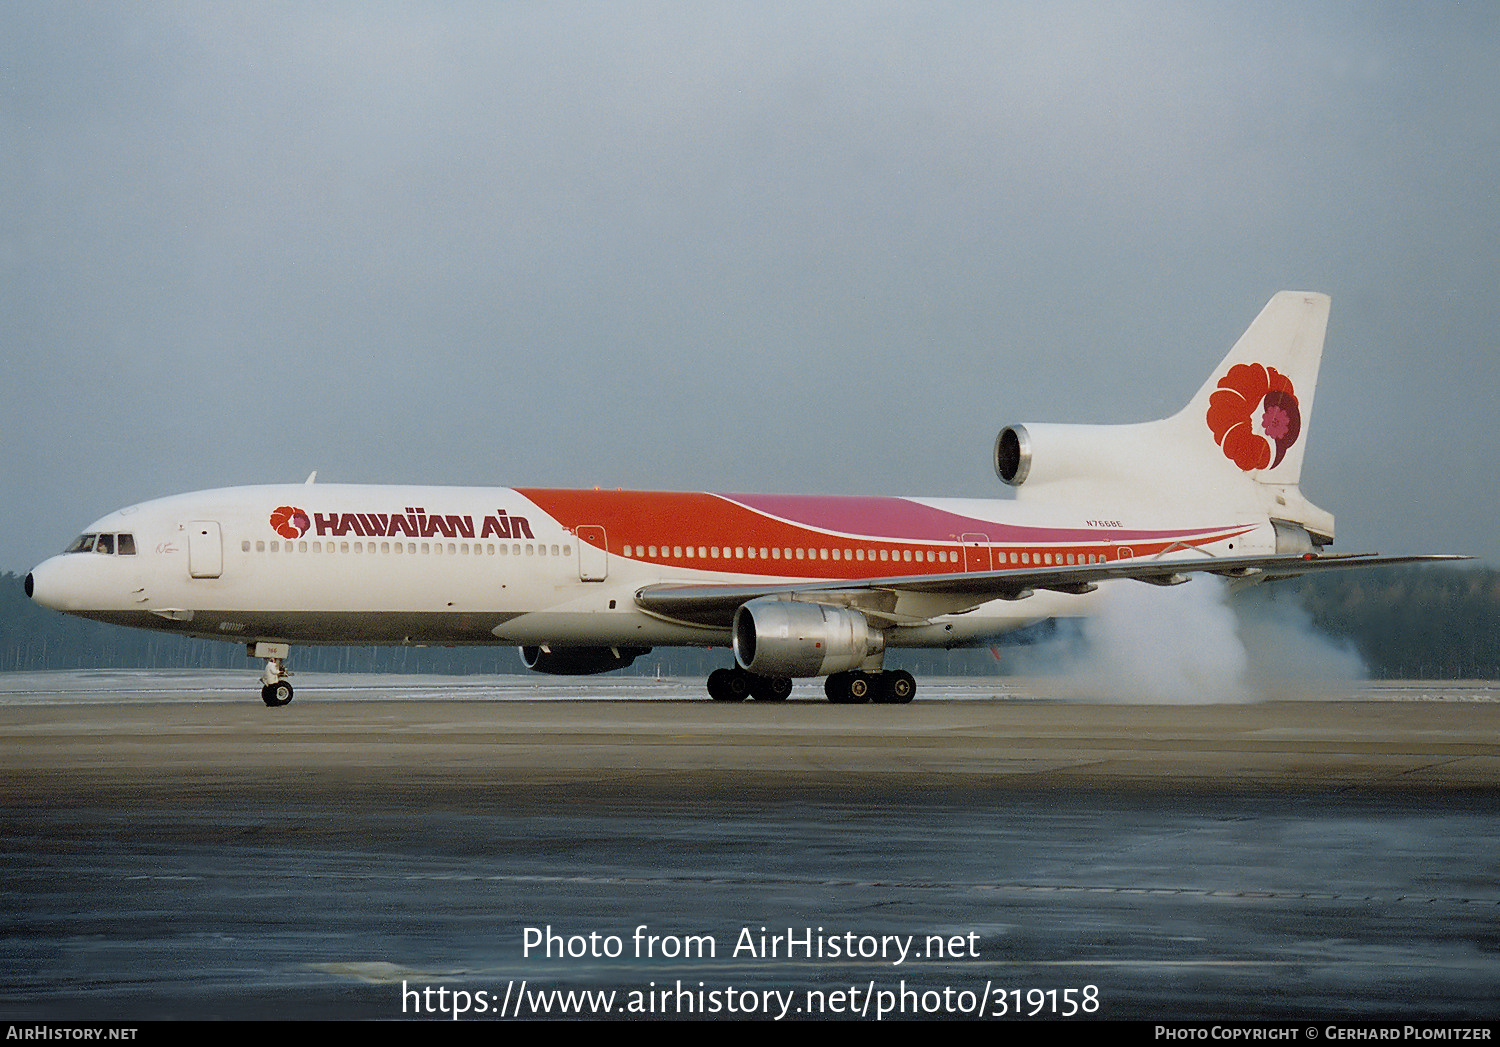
(45, 587)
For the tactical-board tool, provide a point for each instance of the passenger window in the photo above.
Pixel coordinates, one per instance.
(245, 546)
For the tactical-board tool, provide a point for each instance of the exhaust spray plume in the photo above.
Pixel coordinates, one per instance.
(1192, 644)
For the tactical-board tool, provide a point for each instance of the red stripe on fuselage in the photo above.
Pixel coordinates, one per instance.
(721, 533)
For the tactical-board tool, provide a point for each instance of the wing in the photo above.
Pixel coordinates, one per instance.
(917, 599)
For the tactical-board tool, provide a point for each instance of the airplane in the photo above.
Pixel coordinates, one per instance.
(797, 586)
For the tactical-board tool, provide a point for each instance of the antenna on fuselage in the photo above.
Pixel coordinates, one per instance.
(311, 477)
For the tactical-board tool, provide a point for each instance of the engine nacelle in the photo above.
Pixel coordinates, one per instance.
(579, 661)
(1013, 455)
(1041, 453)
(788, 638)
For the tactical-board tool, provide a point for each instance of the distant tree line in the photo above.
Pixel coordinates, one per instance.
(1411, 622)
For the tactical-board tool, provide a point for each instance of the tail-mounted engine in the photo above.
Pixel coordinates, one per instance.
(1013, 455)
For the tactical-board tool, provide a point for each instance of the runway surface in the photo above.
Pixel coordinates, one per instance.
(175, 849)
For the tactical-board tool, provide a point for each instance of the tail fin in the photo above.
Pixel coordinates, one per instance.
(1257, 404)
(1236, 447)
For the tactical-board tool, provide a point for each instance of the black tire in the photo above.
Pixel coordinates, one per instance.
(718, 685)
(836, 687)
(859, 688)
(729, 685)
(896, 688)
(276, 694)
(737, 687)
(770, 688)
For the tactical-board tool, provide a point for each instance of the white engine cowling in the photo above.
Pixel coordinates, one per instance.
(1041, 453)
(789, 638)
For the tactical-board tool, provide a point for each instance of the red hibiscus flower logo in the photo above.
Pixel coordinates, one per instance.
(1253, 408)
(290, 522)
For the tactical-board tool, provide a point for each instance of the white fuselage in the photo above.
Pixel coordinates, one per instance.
(437, 565)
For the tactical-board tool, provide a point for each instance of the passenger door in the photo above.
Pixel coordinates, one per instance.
(205, 549)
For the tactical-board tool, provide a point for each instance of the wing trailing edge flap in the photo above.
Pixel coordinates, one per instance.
(917, 599)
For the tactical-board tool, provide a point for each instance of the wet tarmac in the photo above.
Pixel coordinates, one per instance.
(173, 849)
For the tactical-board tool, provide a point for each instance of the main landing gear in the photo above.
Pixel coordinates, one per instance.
(735, 685)
(276, 691)
(896, 687)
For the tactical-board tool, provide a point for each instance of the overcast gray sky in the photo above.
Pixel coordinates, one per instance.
(804, 247)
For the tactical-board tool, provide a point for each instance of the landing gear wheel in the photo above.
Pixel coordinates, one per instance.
(729, 685)
(896, 688)
(850, 688)
(835, 687)
(276, 694)
(770, 688)
(859, 688)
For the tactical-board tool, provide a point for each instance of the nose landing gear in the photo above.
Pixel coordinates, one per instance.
(275, 691)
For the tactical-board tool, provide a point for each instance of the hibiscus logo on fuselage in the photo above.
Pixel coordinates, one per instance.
(289, 521)
(1254, 408)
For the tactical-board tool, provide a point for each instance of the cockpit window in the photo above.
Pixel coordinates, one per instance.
(121, 544)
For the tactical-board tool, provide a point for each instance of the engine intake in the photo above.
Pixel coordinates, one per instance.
(1013, 455)
(789, 638)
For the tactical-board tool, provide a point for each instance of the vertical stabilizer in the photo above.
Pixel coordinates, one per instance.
(1258, 402)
